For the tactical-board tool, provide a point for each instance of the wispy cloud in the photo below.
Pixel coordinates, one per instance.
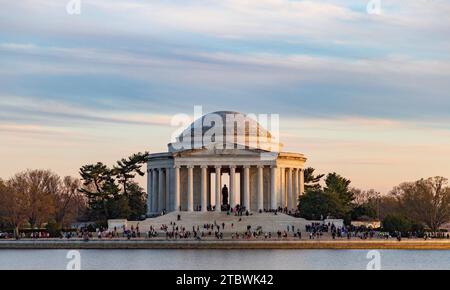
(56, 111)
(381, 84)
(353, 90)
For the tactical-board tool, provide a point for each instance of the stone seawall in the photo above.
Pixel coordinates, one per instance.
(163, 244)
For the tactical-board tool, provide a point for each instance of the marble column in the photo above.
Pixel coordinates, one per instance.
(273, 187)
(289, 188)
(176, 200)
(302, 181)
(283, 187)
(260, 197)
(190, 197)
(149, 191)
(246, 203)
(167, 193)
(218, 188)
(232, 198)
(155, 190)
(204, 189)
(296, 188)
(161, 185)
(209, 192)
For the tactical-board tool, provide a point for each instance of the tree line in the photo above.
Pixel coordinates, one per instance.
(411, 206)
(34, 199)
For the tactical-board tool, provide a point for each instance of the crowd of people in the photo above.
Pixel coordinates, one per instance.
(219, 231)
(239, 210)
(317, 230)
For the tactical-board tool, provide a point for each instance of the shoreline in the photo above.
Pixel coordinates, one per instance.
(228, 244)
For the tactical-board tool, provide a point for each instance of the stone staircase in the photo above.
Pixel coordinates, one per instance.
(267, 221)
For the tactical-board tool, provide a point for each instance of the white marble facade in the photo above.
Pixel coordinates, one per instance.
(259, 178)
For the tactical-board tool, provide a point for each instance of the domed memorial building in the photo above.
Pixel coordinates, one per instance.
(221, 161)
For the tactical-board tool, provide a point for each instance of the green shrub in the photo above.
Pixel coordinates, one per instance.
(54, 229)
(397, 223)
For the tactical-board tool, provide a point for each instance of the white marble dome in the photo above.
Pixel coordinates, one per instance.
(225, 130)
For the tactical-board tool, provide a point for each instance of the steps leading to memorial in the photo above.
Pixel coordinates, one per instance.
(267, 221)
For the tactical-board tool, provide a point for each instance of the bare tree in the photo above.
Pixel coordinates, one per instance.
(364, 196)
(388, 205)
(426, 201)
(12, 206)
(36, 188)
(68, 201)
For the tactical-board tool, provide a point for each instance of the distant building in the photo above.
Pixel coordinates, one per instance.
(367, 224)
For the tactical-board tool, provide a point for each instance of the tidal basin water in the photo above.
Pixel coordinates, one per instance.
(223, 259)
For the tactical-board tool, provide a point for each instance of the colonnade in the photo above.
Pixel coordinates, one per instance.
(286, 184)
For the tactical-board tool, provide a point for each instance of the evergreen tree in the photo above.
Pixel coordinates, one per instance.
(113, 193)
(312, 182)
(137, 201)
(126, 169)
(101, 191)
(339, 186)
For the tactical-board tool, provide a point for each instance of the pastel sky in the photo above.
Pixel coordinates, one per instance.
(365, 95)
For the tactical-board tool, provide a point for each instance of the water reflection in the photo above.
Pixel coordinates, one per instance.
(224, 259)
